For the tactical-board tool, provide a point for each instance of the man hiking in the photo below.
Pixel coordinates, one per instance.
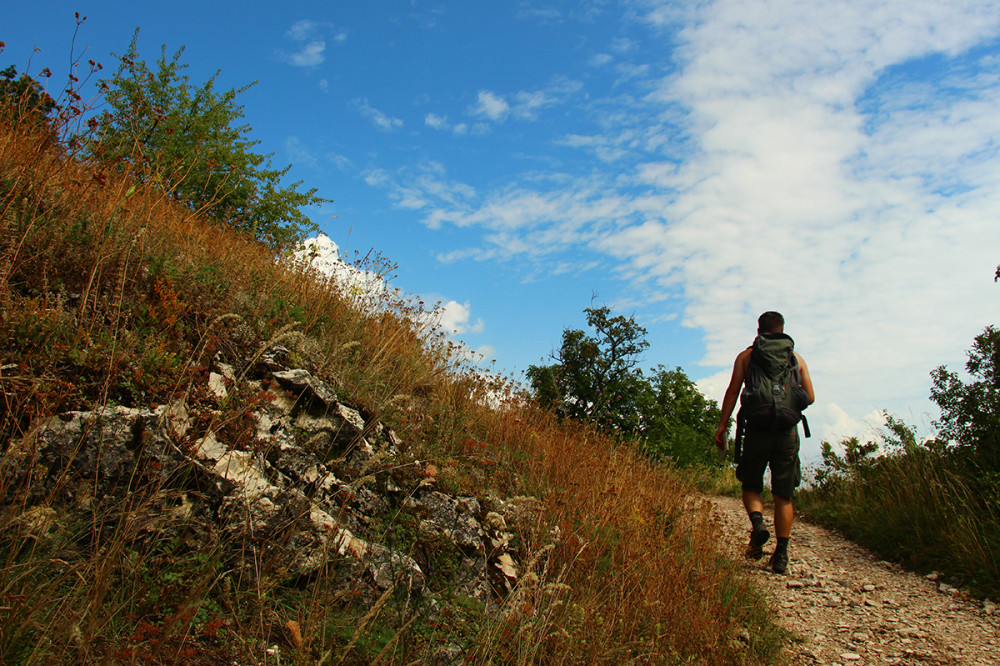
(778, 388)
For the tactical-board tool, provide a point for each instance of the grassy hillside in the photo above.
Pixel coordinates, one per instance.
(112, 294)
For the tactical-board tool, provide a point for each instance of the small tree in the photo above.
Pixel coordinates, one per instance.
(970, 412)
(679, 421)
(595, 378)
(189, 140)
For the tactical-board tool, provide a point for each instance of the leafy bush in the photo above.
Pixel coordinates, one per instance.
(910, 501)
(190, 142)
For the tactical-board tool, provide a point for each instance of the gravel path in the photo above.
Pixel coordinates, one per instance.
(847, 607)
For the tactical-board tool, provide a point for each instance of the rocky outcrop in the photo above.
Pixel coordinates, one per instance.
(301, 482)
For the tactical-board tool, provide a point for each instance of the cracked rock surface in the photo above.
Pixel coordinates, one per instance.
(845, 606)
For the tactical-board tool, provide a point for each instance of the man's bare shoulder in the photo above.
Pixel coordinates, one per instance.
(741, 366)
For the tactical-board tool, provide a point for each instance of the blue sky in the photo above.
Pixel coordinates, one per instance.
(691, 164)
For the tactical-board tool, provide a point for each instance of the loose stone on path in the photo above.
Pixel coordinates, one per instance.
(848, 607)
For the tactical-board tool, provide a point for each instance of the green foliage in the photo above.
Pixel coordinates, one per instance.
(679, 421)
(970, 411)
(189, 140)
(23, 99)
(913, 504)
(596, 380)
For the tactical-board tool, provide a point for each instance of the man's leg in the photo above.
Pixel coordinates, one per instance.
(785, 477)
(750, 472)
(784, 515)
(754, 504)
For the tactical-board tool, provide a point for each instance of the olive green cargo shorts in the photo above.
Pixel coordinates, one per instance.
(780, 451)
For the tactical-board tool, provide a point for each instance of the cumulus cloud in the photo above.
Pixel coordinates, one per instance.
(456, 318)
(491, 106)
(369, 291)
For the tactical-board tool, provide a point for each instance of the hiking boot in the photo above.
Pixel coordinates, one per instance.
(758, 537)
(779, 562)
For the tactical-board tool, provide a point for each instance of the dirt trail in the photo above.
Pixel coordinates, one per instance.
(847, 607)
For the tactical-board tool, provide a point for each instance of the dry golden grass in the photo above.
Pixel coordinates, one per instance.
(110, 292)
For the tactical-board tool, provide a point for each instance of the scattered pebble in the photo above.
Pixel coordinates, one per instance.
(833, 603)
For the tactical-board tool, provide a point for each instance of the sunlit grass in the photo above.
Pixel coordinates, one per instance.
(111, 293)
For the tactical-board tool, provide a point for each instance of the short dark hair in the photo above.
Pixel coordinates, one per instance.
(771, 322)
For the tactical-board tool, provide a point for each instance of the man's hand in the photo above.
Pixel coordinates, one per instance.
(720, 437)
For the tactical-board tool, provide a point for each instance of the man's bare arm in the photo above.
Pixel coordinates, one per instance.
(732, 395)
(805, 379)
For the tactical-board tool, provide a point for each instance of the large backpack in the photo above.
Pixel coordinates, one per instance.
(772, 397)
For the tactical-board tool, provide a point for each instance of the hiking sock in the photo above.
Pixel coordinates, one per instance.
(779, 560)
(758, 536)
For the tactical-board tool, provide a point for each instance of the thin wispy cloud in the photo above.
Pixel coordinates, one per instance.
(438, 122)
(524, 104)
(379, 119)
(309, 55)
(311, 36)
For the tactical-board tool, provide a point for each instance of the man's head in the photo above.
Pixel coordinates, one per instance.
(770, 322)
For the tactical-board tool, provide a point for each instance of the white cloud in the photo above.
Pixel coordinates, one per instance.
(435, 121)
(441, 123)
(312, 36)
(524, 104)
(310, 55)
(455, 318)
(302, 30)
(366, 289)
(378, 118)
(426, 188)
(491, 106)
(369, 291)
